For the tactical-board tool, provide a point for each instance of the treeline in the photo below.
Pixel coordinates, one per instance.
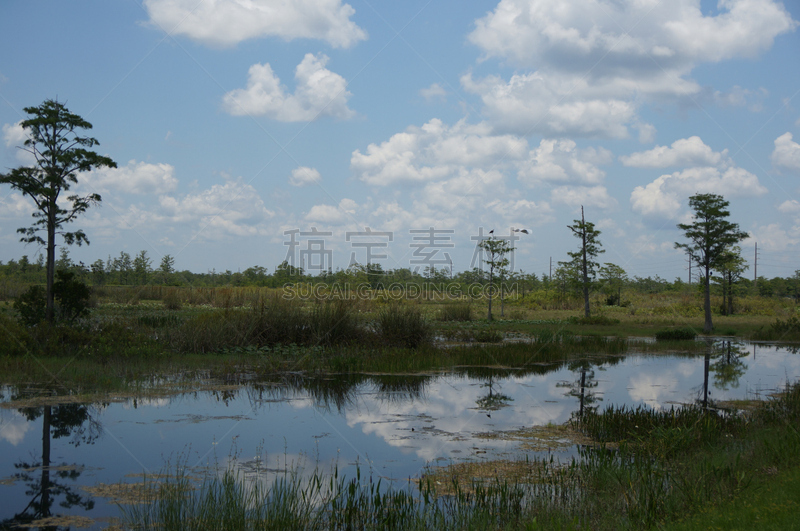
(139, 269)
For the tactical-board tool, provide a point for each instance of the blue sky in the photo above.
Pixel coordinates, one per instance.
(236, 122)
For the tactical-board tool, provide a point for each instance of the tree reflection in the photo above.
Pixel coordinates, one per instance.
(68, 420)
(728, 366)
(581, 387)
(494, 399)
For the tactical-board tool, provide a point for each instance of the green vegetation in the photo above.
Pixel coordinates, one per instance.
(676, 334)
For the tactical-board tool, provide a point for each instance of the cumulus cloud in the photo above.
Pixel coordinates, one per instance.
(304, 176)
(318, 92)
(435, 91)
(228, 22)
(434, 152)
(690, 151)
(773, 237)
(233, 208)
(15, 136)
(591, 62)
(561, 161)
(664, 196)
(134, 178)
(786, 154)
(575, 196)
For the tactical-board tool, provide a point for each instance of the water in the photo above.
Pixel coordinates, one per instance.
(389, 426)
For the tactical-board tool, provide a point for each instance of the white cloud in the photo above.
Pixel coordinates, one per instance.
(551, 105)
(773, 237)
(15, 136)
(16, 206)
(561, 161)
(575, 196)
(319, 92)
(304, 176)
(791, 206)
(435, 91)
(233, 208)
(134, 178)
(593, 62)
(664, 196)
(333, 215)
(435, 152)
(690, 151)
(787, 153)
(228, 22)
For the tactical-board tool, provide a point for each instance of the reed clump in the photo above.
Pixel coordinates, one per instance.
(676, 334)
(404, 326)
(456, 311)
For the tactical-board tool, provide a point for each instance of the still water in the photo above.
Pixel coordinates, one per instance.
(387, 426)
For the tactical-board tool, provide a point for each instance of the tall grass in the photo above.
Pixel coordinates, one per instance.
(404, 325)
(456, 311)
(232, 501)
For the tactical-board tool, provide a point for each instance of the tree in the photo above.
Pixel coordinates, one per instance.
(60, 154)
(731, 269)
(141, 267)
(613, 277)
(589, 250)
(496, 251)
(710, 236)
(167, 268)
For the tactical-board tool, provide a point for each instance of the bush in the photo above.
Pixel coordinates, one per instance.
(788, 330)
(31, 306)
(456, 311)
(71, 297)
(404, 326)
(676, 334)
(14, 339)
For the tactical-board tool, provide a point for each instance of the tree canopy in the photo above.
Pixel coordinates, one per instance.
(711, 236)
(60, 154)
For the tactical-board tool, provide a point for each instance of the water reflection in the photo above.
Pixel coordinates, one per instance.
(53, 483)
(392, 425)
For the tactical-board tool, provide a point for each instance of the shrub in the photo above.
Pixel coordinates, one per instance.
(456, 311)
(14, 339)
(676, 334)
(788, 330)
(404, 326)
(172, 299)
(31, 305)
(72, 296)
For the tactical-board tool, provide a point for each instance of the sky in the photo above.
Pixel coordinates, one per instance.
(249, 132)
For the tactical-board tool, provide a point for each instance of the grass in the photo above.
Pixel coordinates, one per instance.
(676, 334)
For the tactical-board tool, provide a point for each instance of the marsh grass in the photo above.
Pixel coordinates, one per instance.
(456, 311)
(403, 325)
(788, 330)
(676, 334)
(322, 501)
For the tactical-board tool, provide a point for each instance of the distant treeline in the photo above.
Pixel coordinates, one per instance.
(138, 270)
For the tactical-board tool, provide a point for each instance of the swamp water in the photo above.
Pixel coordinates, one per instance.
(391, 427)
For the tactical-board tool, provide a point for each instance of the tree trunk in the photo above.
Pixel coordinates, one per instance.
(730, 293)
(491, 283)
(51, 261)
(708, 326)
(585, 271)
